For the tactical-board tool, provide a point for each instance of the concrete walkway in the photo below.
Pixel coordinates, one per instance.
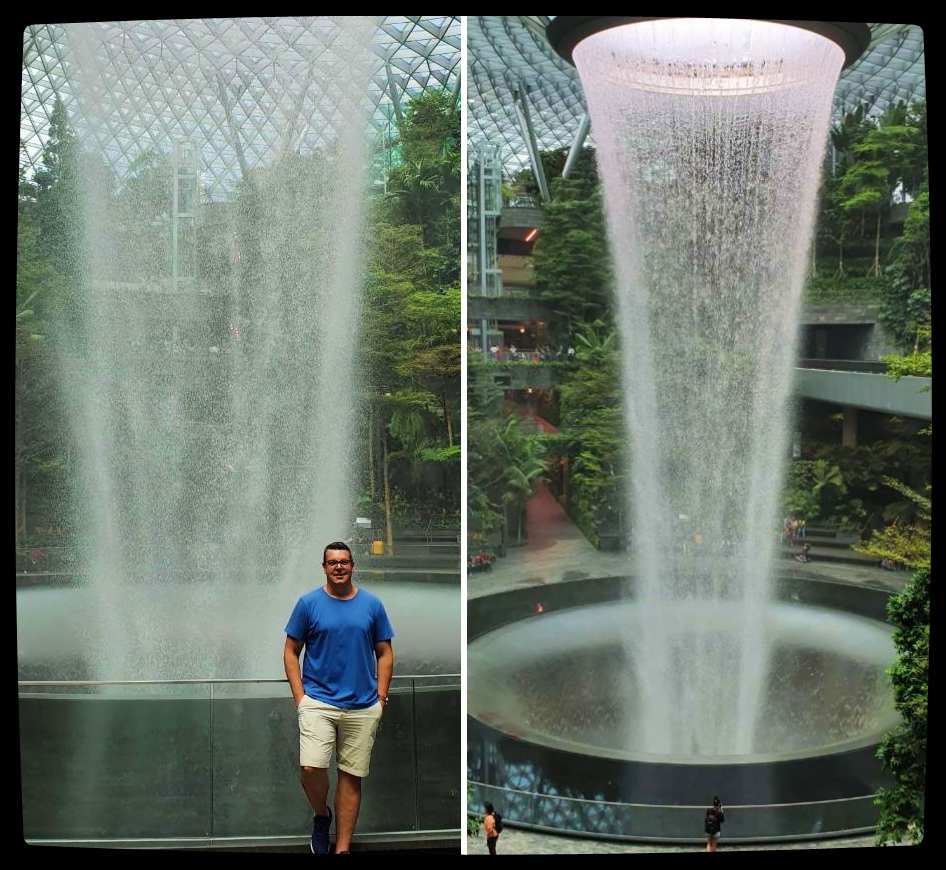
(556, 551)
(514, 841)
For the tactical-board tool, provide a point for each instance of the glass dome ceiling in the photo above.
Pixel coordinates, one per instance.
(510, 53)
(172, 80)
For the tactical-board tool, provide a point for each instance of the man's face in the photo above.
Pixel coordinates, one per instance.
(339, 573)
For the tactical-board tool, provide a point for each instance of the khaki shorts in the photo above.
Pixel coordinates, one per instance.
(324, 728)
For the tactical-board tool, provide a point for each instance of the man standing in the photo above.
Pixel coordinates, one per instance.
(340, 693)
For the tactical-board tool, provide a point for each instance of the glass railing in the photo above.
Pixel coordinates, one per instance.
(190, 762)
(750, 823)
(522, 201)
(38, 559)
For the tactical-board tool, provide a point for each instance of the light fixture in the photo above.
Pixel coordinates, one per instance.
(566, 31)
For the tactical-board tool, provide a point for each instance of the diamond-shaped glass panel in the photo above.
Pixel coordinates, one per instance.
(161, 80)
(510, 53)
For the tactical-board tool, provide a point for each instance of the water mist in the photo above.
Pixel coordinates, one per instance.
(710, 136)
(212, 371)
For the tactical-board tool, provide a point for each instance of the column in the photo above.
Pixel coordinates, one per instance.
(849, 432)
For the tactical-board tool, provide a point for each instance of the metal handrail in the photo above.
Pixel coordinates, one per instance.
(195, 681)
(559, 797)
(29, 547)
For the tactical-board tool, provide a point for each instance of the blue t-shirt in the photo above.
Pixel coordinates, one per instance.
(340, 635)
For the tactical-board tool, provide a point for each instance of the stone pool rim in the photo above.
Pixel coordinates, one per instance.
(498, 610)
(823, 794)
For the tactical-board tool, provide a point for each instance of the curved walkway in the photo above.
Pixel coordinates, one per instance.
(519, 842)
(555, 551)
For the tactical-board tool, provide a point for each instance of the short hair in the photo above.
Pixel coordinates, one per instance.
(489, 808)
(337, 545)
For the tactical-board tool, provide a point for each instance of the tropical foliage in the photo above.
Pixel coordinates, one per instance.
(876, 163)
(903, 750)
(411, 348)
(47, 270)
(812, 488)
(593, 437)
(504, 462)
(916, 364)
(851, 487)
(906, 305)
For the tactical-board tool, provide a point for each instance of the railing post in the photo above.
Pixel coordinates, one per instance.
(414, 743)
(212, 789)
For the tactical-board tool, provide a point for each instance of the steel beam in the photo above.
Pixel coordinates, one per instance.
(580, 135)
(525, 126)
(392, 90)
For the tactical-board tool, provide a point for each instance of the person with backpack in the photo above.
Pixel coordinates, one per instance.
(492, 826)
(712, 823)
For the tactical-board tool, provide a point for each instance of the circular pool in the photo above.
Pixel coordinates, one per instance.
(554, 707)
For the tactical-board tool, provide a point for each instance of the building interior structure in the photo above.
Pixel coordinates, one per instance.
(524, 100)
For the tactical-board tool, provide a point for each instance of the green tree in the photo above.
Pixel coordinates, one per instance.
(903, 750)
(865, 192)
(848, 132)
(49, 265)
(799, 497)
(571, 255)
(833, 224)
(424, 188)
(411, 340)
(504, 461)
(143, 226)
(592, 433)
(906, 302)
(886, 157)
(56, 188)
(553, 164)
(33, 384)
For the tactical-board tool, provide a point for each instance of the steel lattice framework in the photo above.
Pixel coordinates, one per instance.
(165, 81)
(510, 54)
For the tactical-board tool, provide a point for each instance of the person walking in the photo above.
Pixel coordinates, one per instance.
(340, 693)
(492, 826)
(712, 823)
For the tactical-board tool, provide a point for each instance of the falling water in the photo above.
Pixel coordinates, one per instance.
(212, 370)
(710, 138)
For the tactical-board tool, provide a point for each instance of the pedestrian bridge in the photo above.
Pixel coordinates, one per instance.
(870, 391)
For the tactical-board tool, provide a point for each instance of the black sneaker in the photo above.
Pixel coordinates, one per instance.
(320, 827)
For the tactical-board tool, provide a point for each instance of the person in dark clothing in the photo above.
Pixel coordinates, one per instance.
(712, 823)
